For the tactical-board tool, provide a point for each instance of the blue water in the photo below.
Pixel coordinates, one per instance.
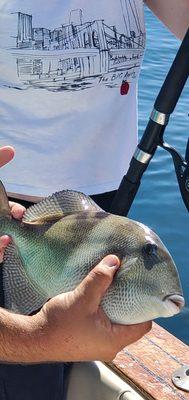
(158, 203)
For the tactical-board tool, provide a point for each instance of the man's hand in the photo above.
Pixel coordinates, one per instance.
(75, 328)
(69, 327)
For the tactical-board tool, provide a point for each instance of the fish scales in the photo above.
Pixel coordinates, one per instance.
(84, 244)
(64, 236)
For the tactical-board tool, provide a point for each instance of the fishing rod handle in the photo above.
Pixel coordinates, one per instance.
(175, 80)
(128, 188)
(138, 164)
(124, 197)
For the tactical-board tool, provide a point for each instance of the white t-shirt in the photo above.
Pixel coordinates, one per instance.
(68, 83)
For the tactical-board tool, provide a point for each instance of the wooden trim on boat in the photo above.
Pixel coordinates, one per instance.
(148, 365)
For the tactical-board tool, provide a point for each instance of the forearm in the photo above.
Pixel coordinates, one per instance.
(21, 338)
(174, 14)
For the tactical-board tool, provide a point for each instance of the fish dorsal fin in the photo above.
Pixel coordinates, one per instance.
(4, 203)
(59, 205)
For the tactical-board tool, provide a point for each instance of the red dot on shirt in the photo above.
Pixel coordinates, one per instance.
(124, 88)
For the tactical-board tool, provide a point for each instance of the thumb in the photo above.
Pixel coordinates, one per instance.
(94, 286)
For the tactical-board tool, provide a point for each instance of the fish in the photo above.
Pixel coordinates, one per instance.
(61, 238)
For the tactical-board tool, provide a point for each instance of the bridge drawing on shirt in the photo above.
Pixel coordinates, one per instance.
(79, 55)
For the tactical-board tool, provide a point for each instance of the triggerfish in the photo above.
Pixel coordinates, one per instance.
(61, 238)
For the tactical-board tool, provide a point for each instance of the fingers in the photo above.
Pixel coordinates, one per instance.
(4, 241)
(6, 155)
(17, 210)
(93, 287)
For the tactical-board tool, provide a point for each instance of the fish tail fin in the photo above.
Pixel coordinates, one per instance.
(21, 295)
(4, 203)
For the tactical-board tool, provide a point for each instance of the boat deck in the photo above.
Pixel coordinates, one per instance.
(149, 364)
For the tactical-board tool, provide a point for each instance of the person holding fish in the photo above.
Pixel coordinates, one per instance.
(91, 319)
(69, 327)
(66, 116)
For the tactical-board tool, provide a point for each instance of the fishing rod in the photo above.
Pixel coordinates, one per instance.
(153, 136)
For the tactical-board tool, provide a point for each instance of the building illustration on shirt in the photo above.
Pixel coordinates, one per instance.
(79, 54)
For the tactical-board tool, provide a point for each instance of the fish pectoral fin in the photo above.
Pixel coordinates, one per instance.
(20, 293)
(126, 266)
(59, 205)
(130, 262)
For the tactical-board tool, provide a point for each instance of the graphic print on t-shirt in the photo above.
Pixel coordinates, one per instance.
(79, 54)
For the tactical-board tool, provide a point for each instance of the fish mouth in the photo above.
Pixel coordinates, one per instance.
(174, 303)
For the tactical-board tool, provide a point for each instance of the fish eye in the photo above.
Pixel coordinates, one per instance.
(150, 249)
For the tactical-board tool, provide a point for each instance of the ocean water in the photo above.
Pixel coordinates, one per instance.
(158, 203)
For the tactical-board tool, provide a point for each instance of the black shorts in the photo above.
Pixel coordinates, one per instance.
(32, 382)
